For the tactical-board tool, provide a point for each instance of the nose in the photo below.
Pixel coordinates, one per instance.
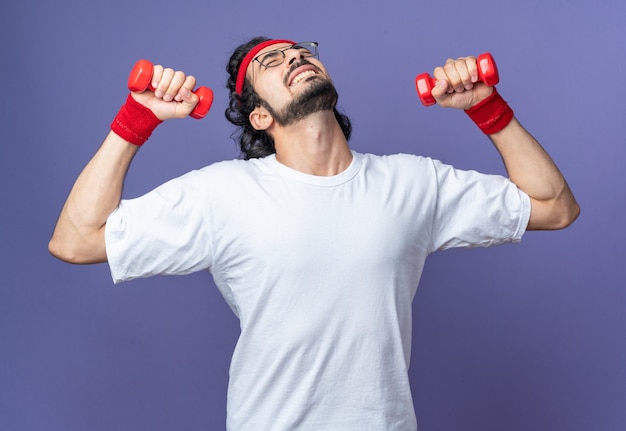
(291, 55)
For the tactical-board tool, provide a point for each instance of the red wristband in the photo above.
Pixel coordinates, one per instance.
(492, 114)
(134, 122)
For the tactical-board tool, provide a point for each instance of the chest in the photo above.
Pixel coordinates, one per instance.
(298, 228)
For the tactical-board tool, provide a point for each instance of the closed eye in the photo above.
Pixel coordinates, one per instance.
(304, 52)
(272, 58)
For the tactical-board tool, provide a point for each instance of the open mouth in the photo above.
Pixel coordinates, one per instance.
(301, 77)
(301, 74)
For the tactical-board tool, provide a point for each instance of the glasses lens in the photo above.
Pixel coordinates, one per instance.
(307, 49)
(272, 58)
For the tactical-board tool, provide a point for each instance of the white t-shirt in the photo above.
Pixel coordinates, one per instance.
(321, 272)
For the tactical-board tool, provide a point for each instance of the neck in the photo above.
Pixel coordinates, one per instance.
(314, 145)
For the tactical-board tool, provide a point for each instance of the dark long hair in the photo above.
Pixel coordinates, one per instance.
(255, 143)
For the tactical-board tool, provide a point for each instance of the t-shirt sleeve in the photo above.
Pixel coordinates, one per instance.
(476, 210)
(165, 231)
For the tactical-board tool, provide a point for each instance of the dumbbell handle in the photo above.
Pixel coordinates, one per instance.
(487, 73)
(140, 80)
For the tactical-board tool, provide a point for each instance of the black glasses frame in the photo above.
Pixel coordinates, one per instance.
(276, 57)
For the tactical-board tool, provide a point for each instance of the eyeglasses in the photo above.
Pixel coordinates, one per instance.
(276, 57)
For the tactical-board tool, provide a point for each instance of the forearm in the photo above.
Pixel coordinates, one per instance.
(79, 233)
(531, 168)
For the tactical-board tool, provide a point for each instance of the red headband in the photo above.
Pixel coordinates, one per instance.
(243, 67)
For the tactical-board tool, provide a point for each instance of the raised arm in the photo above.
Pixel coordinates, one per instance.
(528, 165)
(531, 168)
(79, 233)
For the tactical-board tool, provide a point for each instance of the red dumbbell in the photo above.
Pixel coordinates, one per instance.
(140, 80)
(487, 73)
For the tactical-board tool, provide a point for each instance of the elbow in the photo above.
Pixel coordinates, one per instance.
(76, 252)
(574, 214)
(567, 216)
(568, 208)
(62, 251)
(55, 248)
(553, 215)
(563, 209)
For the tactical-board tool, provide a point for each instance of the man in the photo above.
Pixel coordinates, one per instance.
(316, 248)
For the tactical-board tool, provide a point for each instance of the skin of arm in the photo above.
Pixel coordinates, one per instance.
(78, 236)
(528, 165)
(79, 233)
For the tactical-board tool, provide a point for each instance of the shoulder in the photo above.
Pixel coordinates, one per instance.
(201, 182)
(394, 159)
(226, 171)
(230, 167)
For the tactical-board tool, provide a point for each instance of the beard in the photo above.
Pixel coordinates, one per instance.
(320, 95)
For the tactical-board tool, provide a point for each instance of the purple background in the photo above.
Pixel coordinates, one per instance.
(527, 337)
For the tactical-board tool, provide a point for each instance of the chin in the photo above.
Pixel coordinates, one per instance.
(320, 95)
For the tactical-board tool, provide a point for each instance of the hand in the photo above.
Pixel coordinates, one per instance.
(458, 85)
(172, 96)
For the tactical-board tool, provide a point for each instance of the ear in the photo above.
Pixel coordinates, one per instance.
(260, 118)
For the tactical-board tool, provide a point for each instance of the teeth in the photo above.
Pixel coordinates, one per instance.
(302, 76)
